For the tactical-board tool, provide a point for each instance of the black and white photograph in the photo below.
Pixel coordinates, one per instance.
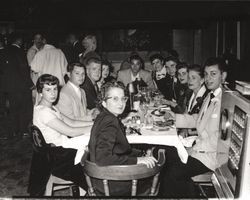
(125, 99)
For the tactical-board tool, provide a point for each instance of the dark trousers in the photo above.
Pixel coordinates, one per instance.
(20, 110)
(58, 161)
(176, 176)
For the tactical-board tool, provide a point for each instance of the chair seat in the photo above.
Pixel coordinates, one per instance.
(55, 183)
(206, 177)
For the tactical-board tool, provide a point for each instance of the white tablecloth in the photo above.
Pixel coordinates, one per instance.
(168, 138)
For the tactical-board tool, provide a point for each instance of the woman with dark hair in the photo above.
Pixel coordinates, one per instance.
(107, 69)
(182, 91)
(108, 144)
(57, 129)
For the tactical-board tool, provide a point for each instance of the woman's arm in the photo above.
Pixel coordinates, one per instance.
(65, 129)
(76, 123)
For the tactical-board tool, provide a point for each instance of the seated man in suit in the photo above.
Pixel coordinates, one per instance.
(94, 68)
(136, 73)
(72, 101)
(160, 76)
(177, 180)
(170, 63)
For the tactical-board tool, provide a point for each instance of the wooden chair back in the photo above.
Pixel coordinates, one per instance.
(38, 141)
(124, 173)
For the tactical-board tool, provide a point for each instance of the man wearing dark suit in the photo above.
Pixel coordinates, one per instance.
(93, 66)
(72, 48)
(162, 79)
(18, 85)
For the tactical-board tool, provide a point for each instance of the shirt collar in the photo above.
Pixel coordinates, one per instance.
(134, 77)
(216, 92)
(201, 91)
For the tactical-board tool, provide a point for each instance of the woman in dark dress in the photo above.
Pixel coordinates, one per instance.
(108, 144)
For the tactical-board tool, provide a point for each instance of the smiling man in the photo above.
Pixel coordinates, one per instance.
(72, 101)
(136, 73)
(94, 69)
(202, 156)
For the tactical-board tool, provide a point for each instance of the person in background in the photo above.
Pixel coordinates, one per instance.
(106, 71)
(17, 84)
(94, 70)
(37, 46)
(72, 48)
(50, 60)
(108, 144)
(136, 74)
(182, 91)
(160, 76)
(57, 129)
(72, 101)
(170, 64)
(89, 44)
(177, 182)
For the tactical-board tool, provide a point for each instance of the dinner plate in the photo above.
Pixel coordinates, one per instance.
(158, 112)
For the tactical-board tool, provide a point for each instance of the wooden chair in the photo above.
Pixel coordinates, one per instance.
(39, 145)
(131, 173)
(203, 180)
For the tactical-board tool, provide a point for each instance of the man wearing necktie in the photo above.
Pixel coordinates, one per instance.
(202, 156)
(163, 81)
(72, 101)
(93, 66)
(171, 63)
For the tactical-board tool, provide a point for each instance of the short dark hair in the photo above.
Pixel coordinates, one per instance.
(197, 68)
(111, 84)
(136, 57)
(181, 65)
(46, 79)
(106, 62)
(156, 56)
(172, 58)
(71, 66)
(216, 61)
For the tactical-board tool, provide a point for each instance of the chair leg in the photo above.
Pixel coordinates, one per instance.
(49, 187)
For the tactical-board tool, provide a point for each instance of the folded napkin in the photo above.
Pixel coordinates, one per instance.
(188, 141)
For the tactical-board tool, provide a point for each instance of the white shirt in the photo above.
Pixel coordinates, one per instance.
(31, 53)
(41, 117)
(50, 60)
(76, 89)
(216, 93)
(135, 77)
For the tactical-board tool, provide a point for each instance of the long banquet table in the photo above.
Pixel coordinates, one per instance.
(168, 137)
